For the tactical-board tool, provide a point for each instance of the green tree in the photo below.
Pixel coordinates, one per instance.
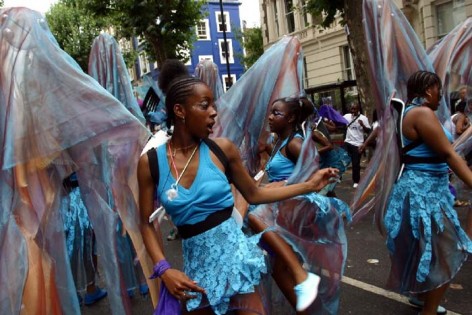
(74, 29)
(1, 3)
(251, 39)
(351, 12)
(167, 26)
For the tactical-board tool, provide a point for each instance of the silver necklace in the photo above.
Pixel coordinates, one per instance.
(173, 192)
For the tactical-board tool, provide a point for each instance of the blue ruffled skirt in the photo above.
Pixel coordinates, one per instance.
(313, 226)
(79, 239)
(225, 263)
(426, 242)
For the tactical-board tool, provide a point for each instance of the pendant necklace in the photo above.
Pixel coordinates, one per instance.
(173, 192)
(261, 172)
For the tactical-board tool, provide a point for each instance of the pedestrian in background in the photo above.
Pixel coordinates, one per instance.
(357, 126)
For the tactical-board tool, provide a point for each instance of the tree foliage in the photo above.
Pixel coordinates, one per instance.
(325, 8)
(74, 29)
(351, 13)
(251, 39)
(1, 3)
(167, 26)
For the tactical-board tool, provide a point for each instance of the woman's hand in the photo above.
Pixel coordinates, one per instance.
(323, 177)
(178, 283)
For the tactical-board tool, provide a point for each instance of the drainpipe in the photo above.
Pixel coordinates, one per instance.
(225, 40)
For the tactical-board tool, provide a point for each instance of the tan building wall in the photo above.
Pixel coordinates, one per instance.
(432, 19)
(323, 48)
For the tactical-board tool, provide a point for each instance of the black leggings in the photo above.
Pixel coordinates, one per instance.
(353, 152)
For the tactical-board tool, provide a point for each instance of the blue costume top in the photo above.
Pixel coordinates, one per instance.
(279, 166)
(209, 192)
(424, 151)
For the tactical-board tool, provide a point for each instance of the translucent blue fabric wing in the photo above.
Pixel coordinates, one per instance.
(55, 120)
(313, 224)
(243, 110)
(452, 59)
(107, 66)
(207, 71)
(395, 52)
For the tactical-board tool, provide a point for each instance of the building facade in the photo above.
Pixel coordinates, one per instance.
(329, 71)
(209, 44)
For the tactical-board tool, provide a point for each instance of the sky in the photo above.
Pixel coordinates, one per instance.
(249, 9)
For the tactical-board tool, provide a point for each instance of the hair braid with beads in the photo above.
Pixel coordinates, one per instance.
(179, 90)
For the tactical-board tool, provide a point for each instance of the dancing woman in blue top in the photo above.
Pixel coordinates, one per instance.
(299, 286)
(426, 243)
(222, 267)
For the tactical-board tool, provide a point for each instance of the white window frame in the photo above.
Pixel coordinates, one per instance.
(207, 30)
(289, 16)
(224, 76)
(455, 6)
(276, 18)
(230, 48)
(205, 57)
(227, 22)
(144, 63)
(344, 63)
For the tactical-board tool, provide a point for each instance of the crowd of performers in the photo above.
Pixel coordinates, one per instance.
(247, 177)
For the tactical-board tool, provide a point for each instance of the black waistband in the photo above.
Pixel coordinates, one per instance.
(70, 184)
(409, 159)
(214, 219)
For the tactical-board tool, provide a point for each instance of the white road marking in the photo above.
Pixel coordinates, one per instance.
(379, 291)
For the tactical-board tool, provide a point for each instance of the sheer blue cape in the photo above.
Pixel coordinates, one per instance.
(55, 120)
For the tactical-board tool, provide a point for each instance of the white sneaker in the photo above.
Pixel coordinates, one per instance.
(306, 292)
(355, 185)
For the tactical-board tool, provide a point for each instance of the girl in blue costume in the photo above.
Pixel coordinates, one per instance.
(426, 243)
(222, 268)
(285, 119)
(80, 242)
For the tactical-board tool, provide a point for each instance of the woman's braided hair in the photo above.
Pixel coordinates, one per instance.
(419, 82)
(178, 91)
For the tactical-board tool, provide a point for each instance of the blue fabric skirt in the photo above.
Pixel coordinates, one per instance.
(79, 239)
(224, 262)
(426, 242)
(313, 226)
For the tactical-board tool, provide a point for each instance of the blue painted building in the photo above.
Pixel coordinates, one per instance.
(210, 43)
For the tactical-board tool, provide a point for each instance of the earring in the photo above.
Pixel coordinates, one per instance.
(183, 120)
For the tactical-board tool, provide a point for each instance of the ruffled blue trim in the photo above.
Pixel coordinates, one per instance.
(225, 263)
(429, 200)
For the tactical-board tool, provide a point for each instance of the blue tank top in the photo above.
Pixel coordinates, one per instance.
(209, 192)
(279, 166)
(424, 151)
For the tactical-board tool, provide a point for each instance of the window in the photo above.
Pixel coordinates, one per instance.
(276, 19)
(205, 57)
(348, 71)
(305, 71)
(304, 13)
(449, 15)
(203, 32)
(219, 22)
(228, 81)
(289, 16)
(226, 50)
(143, 63)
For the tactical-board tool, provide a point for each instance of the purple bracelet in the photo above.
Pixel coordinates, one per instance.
(168, 304)
(159, 269)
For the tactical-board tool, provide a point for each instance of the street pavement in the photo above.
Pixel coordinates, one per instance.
(363, 289)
